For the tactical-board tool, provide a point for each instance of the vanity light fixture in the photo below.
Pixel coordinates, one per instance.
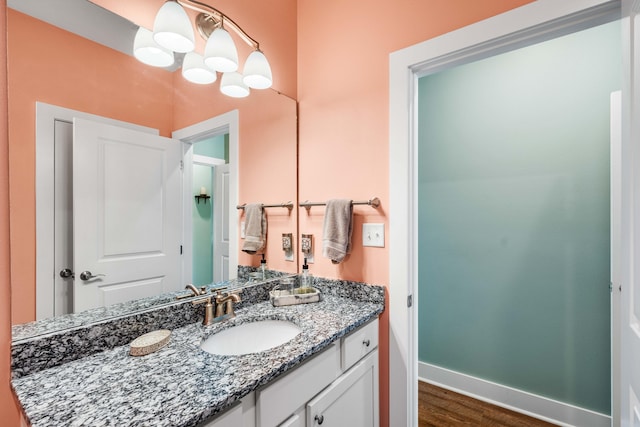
(147, 51)
(173, 32)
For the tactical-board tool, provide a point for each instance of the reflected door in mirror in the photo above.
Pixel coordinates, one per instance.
(127, 214)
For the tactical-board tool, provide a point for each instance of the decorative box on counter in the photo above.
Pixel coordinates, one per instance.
(281, 297)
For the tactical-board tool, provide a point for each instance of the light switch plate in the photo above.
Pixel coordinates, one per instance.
(242, 235)
(373, 235)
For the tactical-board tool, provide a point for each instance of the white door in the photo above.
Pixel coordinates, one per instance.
(127, 214)
(221, 221)
(630, 292)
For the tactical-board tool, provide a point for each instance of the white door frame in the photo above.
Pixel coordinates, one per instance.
(46, 116)
(224, 123)
(531, 23)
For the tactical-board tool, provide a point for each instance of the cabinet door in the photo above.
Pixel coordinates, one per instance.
(295, 420)
(351, 401)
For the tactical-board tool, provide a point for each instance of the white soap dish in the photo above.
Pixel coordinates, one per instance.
(149, 342)
(281, 297)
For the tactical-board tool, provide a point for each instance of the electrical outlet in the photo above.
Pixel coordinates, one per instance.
(373, 235)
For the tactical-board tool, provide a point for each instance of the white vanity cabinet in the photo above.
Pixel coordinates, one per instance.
(338, 387)
(340, 384)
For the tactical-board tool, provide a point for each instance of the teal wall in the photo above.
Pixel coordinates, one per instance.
(202, 227)
(216, 147)
(514, 217)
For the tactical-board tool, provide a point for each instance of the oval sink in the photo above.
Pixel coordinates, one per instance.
(250, 337)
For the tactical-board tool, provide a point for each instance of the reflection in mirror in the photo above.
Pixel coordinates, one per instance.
(57, 67)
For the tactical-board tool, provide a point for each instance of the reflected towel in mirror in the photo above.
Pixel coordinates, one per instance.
(255, 229)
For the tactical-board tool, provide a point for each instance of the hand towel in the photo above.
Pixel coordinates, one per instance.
(255, 229)
(337, 229)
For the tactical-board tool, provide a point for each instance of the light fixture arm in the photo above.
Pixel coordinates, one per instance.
(210, 10)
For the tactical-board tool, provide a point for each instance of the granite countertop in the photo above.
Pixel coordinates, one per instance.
(181, 385)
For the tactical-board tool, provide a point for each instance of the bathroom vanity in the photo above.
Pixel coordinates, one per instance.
(338, 387)
(326, 375)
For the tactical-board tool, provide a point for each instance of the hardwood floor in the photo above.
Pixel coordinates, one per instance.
(438, 407)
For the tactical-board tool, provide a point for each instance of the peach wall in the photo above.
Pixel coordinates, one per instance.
(9, 413)
(343, 85)
(82, 76)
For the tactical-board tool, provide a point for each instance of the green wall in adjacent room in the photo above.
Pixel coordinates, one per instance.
(514, 217)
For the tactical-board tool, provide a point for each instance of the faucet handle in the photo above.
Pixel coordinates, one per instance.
(194, 291)
(208, 312)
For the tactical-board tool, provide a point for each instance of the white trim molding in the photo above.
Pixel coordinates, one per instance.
(530, 404)
(532, 23)
(206, 160)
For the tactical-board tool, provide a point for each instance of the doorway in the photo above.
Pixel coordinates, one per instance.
(514, 224)
(533, 23)
(211, 188)
(226, 182)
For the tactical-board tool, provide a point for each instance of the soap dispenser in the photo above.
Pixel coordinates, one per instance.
(306, 282)
(263, 267)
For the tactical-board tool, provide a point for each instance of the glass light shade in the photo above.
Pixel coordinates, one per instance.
(232, 85)
(172, 28)
(220, 52)
(257, 71)
(194, 70)
(146, 50)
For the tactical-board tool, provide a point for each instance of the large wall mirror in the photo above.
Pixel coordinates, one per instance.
(88, 68)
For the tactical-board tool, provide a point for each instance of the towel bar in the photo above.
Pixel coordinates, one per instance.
(288, 205)
(374, 202)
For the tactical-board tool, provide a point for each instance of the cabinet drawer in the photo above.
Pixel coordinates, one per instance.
(359, 343)
(276, 402)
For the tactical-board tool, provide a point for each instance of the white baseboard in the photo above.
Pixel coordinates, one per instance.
(516, 400)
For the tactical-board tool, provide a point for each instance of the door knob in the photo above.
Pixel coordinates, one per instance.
(87, 275)
(64, 273)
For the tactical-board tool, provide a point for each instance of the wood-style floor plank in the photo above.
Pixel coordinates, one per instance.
(438, 407)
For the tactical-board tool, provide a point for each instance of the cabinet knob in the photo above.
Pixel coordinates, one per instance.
(366, 343)
(319, 419)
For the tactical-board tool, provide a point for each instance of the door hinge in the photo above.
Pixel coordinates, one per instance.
(180, 249)
(610, 286)
(410, 301)
(181, 165)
